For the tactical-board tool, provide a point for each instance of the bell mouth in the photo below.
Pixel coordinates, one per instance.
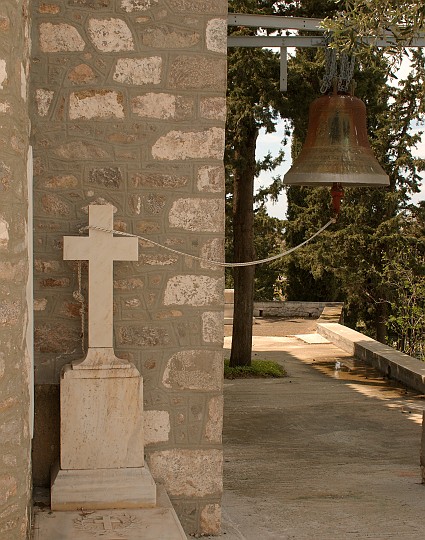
(328, 179)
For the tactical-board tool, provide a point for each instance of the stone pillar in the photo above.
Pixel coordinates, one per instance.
(15, 277)
(128, 108)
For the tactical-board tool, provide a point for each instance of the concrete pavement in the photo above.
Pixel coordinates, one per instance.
(330, 452)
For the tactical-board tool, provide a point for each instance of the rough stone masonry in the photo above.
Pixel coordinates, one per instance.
(127, 104)
(15, 290)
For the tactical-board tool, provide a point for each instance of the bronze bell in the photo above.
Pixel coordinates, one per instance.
(336, 149)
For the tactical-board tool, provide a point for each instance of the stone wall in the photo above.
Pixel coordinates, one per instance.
(15, 335)
(128, 107)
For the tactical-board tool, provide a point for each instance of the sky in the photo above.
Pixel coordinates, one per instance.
(273, 141)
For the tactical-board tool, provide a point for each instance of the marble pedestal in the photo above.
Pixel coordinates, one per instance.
(102, 451)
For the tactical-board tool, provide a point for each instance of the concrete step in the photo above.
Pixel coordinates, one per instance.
(157, 523)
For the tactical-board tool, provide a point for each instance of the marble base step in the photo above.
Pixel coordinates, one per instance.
(158, 523)
(102, 488)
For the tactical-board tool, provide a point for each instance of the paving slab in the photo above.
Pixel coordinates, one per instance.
(330, 452)
(126, 524)
(312, 338)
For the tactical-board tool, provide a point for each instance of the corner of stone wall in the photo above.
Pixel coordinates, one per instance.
(15, 301)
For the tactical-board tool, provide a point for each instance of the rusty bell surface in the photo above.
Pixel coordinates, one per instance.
(336, 149)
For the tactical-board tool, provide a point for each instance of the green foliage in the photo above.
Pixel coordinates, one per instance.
(349, 260)
(257, 369)
(404, 275)
(363, 22)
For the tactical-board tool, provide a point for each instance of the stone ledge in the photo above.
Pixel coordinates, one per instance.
(290, 309)
(394, 364)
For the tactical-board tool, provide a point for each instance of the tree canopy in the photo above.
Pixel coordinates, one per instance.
(378, 240)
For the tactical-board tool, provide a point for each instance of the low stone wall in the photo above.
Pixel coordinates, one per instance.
(394, 364)
(293, 309)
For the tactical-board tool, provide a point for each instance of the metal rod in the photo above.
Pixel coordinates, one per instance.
(283, 69)
(275, 41)
(304, 41)
(274, 21)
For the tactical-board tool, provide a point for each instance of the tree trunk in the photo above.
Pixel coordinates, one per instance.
(243, 245)
(381, 322)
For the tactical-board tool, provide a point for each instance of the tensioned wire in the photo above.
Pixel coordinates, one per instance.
(210, 261)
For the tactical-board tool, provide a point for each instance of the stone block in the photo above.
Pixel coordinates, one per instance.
(164, 37)
(213, 250)
(54, 205)
(3, 73)
(138, 71)
(48, 8)
(89, 105)
(60, 37)
(137, 5)
(214, 424)
(188, 473)
(101, 418)
(163, 106)
(143, 336)
(210, 521)
(199, 6)
(196, 214)
(158, 180)
(211, 179)
(156, 426)
(80, 150)
(4, 233)
(212, 326)
(198, 73)
(10, 311)
(61, 181)
(81, 74)
(182, 145)
(213, 108)
(216, 35)
(110, 35)
(93, 4)
(109, 177)
(43, 99)
(193, 290)
(198, 370)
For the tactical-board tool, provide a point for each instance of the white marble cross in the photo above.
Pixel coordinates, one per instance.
(101, 249)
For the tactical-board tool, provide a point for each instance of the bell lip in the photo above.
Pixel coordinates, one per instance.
(328, 179)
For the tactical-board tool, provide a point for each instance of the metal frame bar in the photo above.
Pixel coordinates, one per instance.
(275, 41)
(305, 41)
(274, 21)
(283, 69)
(283, 42)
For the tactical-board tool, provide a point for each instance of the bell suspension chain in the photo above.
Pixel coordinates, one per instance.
(331, 78)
